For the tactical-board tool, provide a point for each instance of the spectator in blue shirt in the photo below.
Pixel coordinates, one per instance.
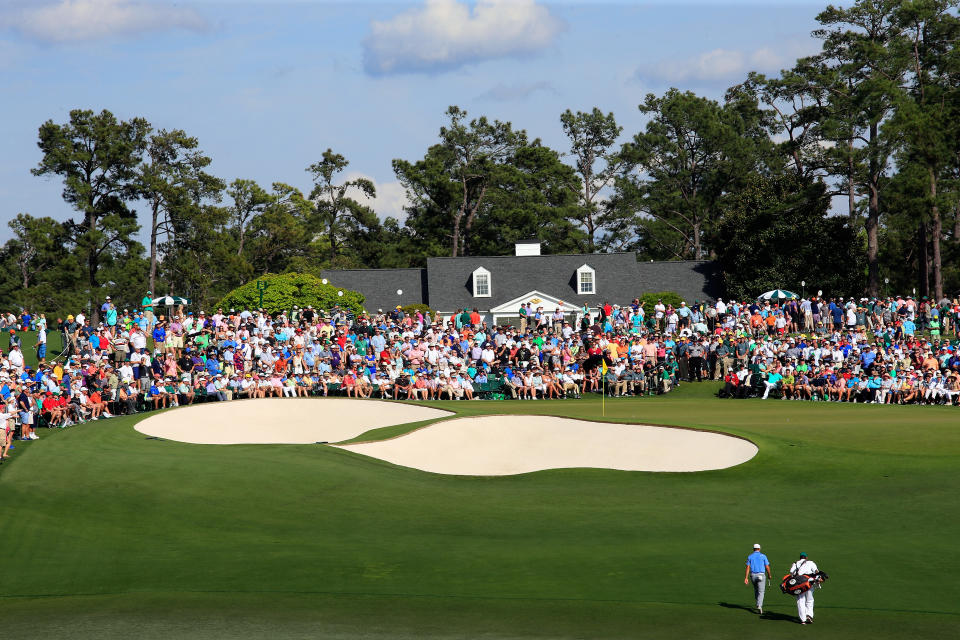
(159, 336)
(909, 327)
(867, 358)
(757, 573)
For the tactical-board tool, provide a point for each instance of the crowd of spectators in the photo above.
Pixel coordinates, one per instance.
(895, 350)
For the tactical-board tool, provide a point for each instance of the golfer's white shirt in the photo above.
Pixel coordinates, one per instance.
(804, 567)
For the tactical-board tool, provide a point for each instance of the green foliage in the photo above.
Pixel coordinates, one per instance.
(174, 184)
(346, 221)
(203, 263)
(693, 151)
(592, 144)
(649, 300)
(422, 308)
(286, 290)
(97, 156)
(485, 186)
(775, 233)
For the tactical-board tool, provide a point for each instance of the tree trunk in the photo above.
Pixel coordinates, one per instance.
(936, 229)
(92, 281)
(153, 246)
(24, 269)
(456, 233)
(333, 238)
(468, 225)
(696, 241)
(457, 217)
(851, 188)
(923, 261)
(873, 222)
(956, 223)
(591, 230)
(588, 205)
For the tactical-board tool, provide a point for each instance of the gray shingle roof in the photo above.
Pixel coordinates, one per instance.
(692, 279)
(447, 283)
(379, 286)
(450, 280)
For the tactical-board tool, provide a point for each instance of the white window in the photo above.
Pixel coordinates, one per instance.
(586, 281)
(481, 283)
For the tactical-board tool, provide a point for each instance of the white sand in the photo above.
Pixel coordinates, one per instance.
(281, 420)
(506, 445)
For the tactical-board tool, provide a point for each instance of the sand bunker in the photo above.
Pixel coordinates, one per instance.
(281, 420)
(506, 445)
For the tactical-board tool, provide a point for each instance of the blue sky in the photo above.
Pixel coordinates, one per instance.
(268, 86)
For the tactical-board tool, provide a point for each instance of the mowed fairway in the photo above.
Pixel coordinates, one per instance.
(109, 534)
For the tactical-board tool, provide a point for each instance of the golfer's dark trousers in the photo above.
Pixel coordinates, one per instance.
(696, 368)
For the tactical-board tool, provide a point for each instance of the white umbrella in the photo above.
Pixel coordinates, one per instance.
(778, 294)
(170, 301)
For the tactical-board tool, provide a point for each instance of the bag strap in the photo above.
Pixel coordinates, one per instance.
(797, 566)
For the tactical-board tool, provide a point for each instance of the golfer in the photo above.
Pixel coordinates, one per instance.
(757, 572)
(804, 567)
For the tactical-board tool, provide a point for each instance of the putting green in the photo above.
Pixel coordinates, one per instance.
(111, 534)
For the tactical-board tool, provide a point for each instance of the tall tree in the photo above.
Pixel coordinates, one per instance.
(249, 200)
(335, 209)
(927, 119)
(97, 156)
(592, 139)
(282, 232)
(794, 104)
(39, 266)
(860, 53)
(200, 255)
(454, 179)
(769, 214)
(534, 195)
(174, 184)
(692, 151)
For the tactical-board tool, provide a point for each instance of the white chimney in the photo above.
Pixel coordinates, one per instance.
(528, 248)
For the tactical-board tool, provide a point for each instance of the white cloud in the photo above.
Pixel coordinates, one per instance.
(724, 65)
(705, 66)
(81, 20)
(515, 92)
(390, 201)
(446, 34)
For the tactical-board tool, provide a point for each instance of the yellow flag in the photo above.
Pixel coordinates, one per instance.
(603, 366)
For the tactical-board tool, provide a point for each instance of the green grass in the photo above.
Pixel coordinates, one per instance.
(109, 534)
(28, 339)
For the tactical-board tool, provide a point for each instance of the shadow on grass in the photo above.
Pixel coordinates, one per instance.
(767, 615)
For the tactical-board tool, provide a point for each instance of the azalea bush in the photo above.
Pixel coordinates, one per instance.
(649, 300)
(286, 290)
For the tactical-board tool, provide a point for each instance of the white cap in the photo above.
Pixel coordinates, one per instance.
(756, 546)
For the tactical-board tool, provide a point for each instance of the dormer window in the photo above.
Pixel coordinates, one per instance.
(586, 281)
(481, 283)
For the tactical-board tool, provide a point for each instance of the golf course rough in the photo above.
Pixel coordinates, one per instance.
(113, 534)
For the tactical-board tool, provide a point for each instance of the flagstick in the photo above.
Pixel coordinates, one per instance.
(603, 395)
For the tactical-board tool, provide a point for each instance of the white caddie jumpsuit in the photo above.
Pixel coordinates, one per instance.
(805, 599)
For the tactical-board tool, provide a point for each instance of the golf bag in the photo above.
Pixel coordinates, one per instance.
(794, 585)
